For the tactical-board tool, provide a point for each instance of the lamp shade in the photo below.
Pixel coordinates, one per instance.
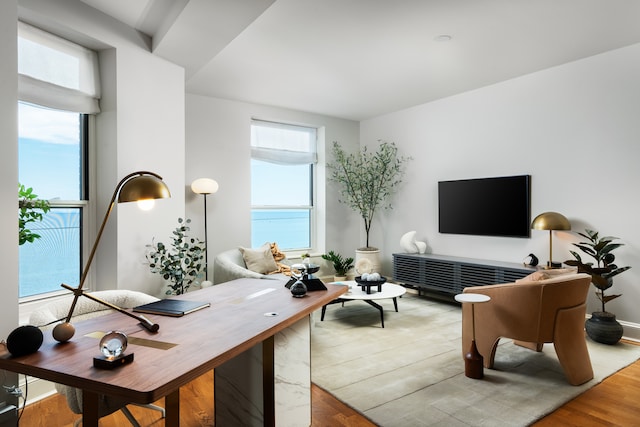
(143, 187)
(204, 186)
(551, 221)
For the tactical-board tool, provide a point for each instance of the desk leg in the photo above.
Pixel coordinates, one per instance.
(172, 409)
(89, 408)
(269, 384)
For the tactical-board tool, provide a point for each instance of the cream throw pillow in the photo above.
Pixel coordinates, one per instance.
(259, 260)
(547, 274)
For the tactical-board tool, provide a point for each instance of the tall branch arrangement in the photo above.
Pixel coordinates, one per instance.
(367, 179)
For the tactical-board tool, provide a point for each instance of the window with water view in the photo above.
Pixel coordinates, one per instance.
(282, 179)
(51, 148)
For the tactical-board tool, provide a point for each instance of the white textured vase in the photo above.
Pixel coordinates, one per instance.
(373, 256)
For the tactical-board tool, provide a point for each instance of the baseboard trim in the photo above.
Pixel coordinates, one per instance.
(631, 331)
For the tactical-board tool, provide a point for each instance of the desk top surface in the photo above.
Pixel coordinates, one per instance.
(241, 315)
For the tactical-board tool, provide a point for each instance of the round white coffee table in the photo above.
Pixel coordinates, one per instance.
(387, 290)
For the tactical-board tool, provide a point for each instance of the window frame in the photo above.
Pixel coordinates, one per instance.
(30, 303)
(312, 207)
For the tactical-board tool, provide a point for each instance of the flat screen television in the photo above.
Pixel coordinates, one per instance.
(499, 206)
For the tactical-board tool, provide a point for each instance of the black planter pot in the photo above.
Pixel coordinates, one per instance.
(603, 327)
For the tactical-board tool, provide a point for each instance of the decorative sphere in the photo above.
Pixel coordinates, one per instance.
(113, 344)
(63, 332)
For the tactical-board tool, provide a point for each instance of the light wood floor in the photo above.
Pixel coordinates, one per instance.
(614, 402)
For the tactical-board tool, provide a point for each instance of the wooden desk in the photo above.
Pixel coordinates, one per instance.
(222, 336)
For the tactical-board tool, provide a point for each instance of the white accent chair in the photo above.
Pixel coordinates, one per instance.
(229, 265)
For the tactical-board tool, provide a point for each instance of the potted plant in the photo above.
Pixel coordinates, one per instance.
(30, 209)
(181, 263)
(602, 326)
(367, 179)
(340, 264)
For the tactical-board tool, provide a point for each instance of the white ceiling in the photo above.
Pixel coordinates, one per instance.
(357, 59)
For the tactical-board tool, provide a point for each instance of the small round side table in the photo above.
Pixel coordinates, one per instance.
(473, 360)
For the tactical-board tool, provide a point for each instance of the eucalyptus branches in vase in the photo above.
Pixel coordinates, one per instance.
(181, 263)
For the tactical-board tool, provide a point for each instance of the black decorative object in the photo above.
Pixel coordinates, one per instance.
(531, 260)
(298, 289)
(603, 327)
(368, 284)
(24, 340)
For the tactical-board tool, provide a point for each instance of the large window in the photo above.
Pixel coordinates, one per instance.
(282, 184)
(58, 88)
(52, 146)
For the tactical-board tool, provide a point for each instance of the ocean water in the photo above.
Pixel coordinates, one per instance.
(290, 229)
(53, 259)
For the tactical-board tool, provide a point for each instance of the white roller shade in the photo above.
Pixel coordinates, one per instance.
(56, 73)
(283, 144)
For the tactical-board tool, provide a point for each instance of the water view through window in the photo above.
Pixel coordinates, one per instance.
(50, 162)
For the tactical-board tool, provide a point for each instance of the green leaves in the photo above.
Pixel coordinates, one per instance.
(600, 249)
(30, 209)
(181, 263)
(340, 264)
(367, 179)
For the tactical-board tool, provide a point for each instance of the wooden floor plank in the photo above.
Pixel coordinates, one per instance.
(614, 402)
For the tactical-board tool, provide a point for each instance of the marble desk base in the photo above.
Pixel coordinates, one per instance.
(269, 384)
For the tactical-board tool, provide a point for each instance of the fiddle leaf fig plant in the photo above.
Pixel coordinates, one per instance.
(30, 210)
(602, 272)
(181, 263)
(367, 179)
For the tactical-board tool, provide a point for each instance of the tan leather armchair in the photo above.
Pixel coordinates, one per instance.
(533, 312)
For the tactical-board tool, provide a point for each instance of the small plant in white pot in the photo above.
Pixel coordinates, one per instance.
(340, 264)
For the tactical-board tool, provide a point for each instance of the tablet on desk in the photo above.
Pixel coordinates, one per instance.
(171, 307)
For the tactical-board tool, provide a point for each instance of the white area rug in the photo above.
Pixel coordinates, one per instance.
(411, 373)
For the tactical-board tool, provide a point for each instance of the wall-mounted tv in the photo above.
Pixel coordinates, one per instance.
(499, 206)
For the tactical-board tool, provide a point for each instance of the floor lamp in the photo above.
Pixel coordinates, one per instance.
(136, 187)
(551, 221)
(205, 186)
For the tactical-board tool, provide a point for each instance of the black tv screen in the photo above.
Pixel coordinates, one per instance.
(486, 206)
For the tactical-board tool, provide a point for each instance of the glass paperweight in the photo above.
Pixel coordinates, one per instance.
(113, 344)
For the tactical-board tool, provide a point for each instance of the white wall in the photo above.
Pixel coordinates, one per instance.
(141, 127)
(218, 147)
(9, 166)
(574, 128)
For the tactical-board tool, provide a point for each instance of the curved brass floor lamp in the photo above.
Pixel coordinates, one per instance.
(137, 186)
